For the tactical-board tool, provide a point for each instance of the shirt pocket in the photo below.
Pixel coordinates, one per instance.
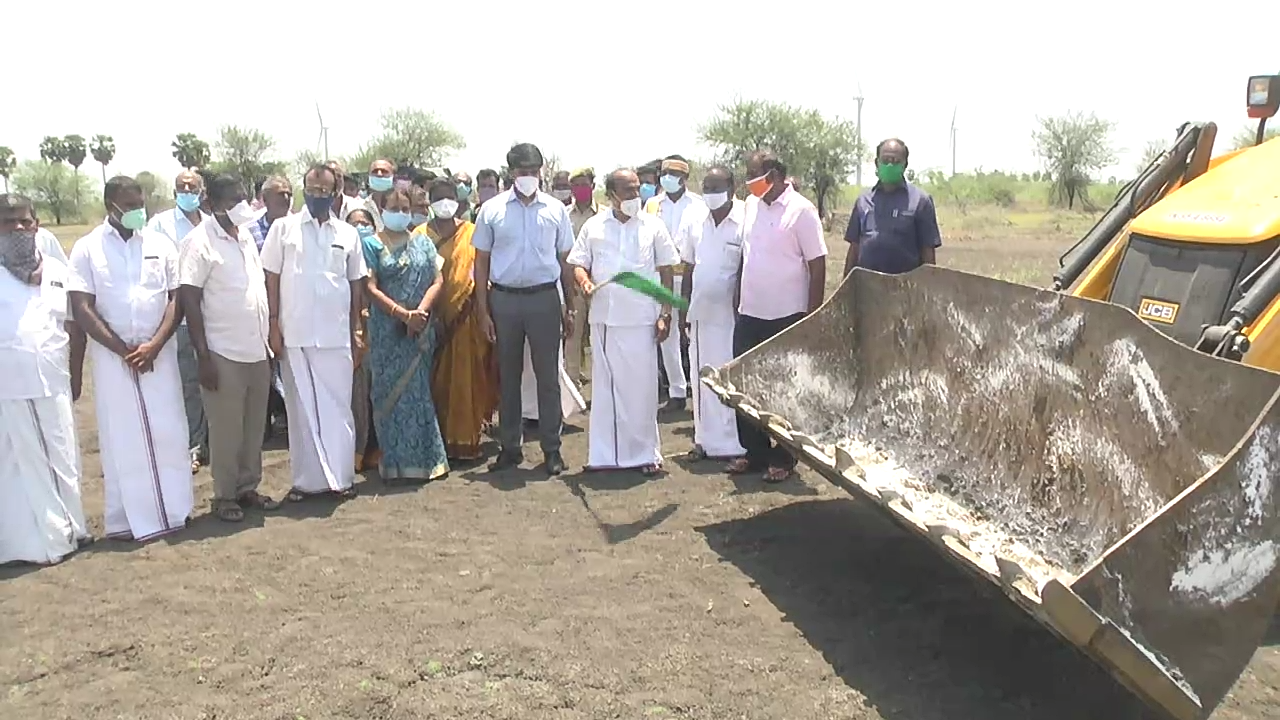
(730, 259)
(337, 261)
(153, 273)
(54, 295)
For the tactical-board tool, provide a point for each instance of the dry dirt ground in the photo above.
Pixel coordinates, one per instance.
(514, 596)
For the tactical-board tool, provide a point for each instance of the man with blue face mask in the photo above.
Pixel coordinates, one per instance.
(176, 224)
(315, 288)
(671, 206)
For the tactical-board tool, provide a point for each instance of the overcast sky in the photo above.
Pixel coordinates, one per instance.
(626, 82)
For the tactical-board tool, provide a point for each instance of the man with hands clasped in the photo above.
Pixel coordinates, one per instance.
(626, 327)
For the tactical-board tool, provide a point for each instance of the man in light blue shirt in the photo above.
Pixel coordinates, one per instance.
(522, 237)
(176, 224)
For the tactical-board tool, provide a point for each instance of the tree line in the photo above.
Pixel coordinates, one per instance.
(822, 152)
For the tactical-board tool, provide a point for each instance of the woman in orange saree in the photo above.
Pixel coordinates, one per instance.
(464, 381)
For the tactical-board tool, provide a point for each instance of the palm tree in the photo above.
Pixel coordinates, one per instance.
(104, 151)
(75, 151)
(8, 163)
(53, 149)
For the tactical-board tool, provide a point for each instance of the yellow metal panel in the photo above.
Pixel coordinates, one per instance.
(1237, 201)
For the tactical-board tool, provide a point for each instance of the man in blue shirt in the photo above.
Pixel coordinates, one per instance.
(894, 226)
(521, 239)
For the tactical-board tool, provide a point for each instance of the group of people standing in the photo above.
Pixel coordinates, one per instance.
(387, 323)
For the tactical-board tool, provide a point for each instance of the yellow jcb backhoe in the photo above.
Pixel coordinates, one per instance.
(1107, 450)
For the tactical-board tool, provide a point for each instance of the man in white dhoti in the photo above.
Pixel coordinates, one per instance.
(224, 298)
(123, 287)
(626, 327)
(41, 518)
(710, 243)
(671, 205)
(315, 285)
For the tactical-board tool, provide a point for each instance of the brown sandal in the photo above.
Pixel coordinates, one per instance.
(651, 470)
(775, 475)
(739, 466)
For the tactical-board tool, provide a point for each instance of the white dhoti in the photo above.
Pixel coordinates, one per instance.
(571, 402)
(322, 431)
(623, 432)
(41, 517)
(142, 434)
(677, 383)
(715, 426)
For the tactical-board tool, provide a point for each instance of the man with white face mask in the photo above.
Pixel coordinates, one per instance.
(671, 205)
(176, 224)
(710, 243)
(626, 327)
(224, 295)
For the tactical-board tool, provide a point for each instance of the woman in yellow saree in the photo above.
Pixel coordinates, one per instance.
(464, 381)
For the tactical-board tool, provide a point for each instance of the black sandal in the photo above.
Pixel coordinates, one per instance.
(348, 494)
(295, 496)
(697, 454)
(229, 512)
(257, 500)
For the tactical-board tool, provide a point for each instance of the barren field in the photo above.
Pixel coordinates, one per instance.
(486, 596)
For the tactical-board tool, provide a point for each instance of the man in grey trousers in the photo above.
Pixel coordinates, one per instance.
(223, 292)
(522, 237)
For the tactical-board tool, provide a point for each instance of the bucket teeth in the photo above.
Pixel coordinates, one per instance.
(735, 398)
(890, 495)
(943, 530)
(775, 419)
(1010, 571)
(844, 460)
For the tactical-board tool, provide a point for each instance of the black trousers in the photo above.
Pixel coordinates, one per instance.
(748, 332)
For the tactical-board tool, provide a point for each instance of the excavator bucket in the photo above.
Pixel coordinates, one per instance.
(1121, 488)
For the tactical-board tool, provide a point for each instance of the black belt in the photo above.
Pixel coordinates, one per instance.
(530, 290)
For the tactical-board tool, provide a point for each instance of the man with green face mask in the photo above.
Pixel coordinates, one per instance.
(893, 227)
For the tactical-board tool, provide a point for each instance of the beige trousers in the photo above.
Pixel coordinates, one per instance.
(237, 413)
(575, 347)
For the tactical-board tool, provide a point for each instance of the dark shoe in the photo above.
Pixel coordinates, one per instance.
(676, 405)
(555, 463)
(506, 461)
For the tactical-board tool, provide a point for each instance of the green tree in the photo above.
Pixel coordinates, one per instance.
(103, 150)
(190, 151)
(76, 151)
(243, 151)
(409, 136)
(8, 163)
(1249, 133)
(53, 149)
(1150, 153)
(1072, 147)
(303, 160)
(821, 152)
(53, 187)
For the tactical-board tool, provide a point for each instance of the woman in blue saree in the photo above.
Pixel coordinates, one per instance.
(404, 281)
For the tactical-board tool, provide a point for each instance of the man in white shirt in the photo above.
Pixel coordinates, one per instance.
(710, 242)
(671, 205)
(123, 287)
(41, 517)
(224, 298)
(626, 327)
(315, 285)
(176, 224)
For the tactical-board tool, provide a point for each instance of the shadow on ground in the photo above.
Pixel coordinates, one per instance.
(917, 637)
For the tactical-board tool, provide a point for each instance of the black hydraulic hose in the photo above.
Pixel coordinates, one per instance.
(1257, 297)
(1135, 197)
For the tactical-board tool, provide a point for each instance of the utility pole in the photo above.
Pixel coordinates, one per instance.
(858, 171)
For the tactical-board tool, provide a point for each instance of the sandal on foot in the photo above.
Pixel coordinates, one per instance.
(697, 454)
(651, 470)
(776, 475)
(229, 512)
(257, 500)
(739, 466)
(295, 496)
(349, 493)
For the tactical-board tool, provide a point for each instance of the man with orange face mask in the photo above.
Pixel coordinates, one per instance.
(784, 269)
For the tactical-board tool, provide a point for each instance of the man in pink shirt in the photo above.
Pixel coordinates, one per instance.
(784, 269)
